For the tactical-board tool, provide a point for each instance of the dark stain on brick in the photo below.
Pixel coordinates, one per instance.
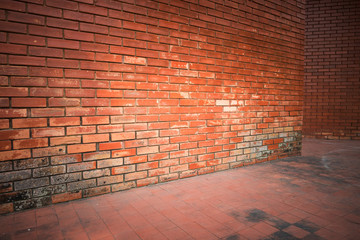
(280, 235)
(5, 186)
(307, 226)
(31, 163)
(256, 215)
(15, 196)
(32, 203)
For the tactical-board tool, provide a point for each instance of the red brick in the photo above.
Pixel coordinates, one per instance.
(147, 134)
(14, 134)
(159, 171)
(73, 54)
(45, 31)
(122, 136)
(124, 153)
(64, 197)
(62, 23)
(110, 146)
(13, 70)
(92, 9)
(122, 85)
(49, 151)
(47, 132)
(47, 112)
(13, 5)
(55, 141)
(15, 154)
(75, 111)
(29, 122)
(12, 48)
(45, 52)
(80, 130)
(135, 175)
(5, 145)
(93, 102)
(96, 155)
(95, 120)
(123, 102)
(13, 91)
(79, 148)
(12, 27)
(28, 82)
(95, 84)
(110, 128)
(71, 73)
(28, 102)
(4, 102)
(80, 93)
(6, 208)
(78, 16)
(66, 44)
(30, 143)
(46, 92)
(197, 165)
(147, 150)
(94, 65)
(95, 138)
(109, 93)
(123, 169)
(147, 181)
(135, 60)
(28, 40)
(109, 111)
(76, 35)
(68, 83)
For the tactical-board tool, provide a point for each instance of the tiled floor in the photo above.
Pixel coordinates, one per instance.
(316, 196)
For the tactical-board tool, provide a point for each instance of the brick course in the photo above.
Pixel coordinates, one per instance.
(102, 96)
(332, 69)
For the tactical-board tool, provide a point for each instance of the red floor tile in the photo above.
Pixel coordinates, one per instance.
(264, 228)
(197, 232)
(251, 234)
(329, 235)
(176, 234)
(296, 232)
(287, 217)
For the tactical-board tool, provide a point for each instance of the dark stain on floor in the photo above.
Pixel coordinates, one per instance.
(289, 182)
(256, 215)
(307, 226)
(313, 237)
(232, 237)
(278, 223)
(280, 235)
(235, 214)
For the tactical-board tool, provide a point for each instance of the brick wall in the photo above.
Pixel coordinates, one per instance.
(101, 96)
(332, 71)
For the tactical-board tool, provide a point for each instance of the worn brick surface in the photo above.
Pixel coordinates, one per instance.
(103, 96)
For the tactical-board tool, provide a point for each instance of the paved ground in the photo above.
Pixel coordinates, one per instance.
(316, 196)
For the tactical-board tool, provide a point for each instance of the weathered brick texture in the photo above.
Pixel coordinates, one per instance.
(106, 95)
(332, 69)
